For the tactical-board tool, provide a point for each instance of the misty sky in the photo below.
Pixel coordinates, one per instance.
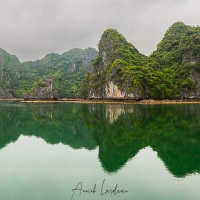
(30, 29)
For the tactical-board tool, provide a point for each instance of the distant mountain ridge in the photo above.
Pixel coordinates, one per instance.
(66, 72)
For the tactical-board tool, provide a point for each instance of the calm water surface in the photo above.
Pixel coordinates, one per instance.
(151, 152)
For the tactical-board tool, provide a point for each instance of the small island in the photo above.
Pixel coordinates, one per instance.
(42, 91)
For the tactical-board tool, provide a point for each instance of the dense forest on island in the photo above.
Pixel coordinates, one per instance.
(118, 70)
(170, 72)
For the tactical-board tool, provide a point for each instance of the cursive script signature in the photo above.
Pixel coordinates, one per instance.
(103, 190)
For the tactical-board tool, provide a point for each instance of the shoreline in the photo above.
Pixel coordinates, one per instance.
(11, 99)
(107, 101)
(142, 102)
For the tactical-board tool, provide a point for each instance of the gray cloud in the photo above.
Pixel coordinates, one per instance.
(32, 28)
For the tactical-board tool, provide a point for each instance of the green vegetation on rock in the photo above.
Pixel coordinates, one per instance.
(9, 74)
(66, 72)
(172, 71)
(119, 71)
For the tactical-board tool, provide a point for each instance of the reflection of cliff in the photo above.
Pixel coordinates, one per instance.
(171, 130)
(52, 123)
(120, 131)
(113, 112)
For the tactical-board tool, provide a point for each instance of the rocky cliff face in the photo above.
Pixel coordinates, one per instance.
(88, 56)
(5, 85)
(9, 74)
(195, 92)
(79, 58)
(172, 71)
(42, 90)
(114, 54)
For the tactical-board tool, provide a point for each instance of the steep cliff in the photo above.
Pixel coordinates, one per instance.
(171, 72)
(178, 54)
(9, 74)
(5, 84)
(110, 77)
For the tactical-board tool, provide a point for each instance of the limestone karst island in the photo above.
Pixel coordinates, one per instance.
(117, 71)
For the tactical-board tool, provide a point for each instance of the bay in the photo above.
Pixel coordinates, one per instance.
(60, 151)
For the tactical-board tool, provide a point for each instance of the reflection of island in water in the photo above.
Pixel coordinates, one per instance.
(119, 131)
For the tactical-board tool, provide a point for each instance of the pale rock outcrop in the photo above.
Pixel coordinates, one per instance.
(42, 90)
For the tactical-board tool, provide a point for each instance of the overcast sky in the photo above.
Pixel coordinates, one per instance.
(30, 29)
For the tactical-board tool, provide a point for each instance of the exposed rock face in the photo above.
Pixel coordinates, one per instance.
(114, 53)
(9, 74)
(87, 57)
(5, 85)
(112, 91)
(43, 90)
(195, 93)
(83, 60)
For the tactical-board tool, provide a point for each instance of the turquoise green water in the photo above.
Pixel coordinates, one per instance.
(69, 151)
